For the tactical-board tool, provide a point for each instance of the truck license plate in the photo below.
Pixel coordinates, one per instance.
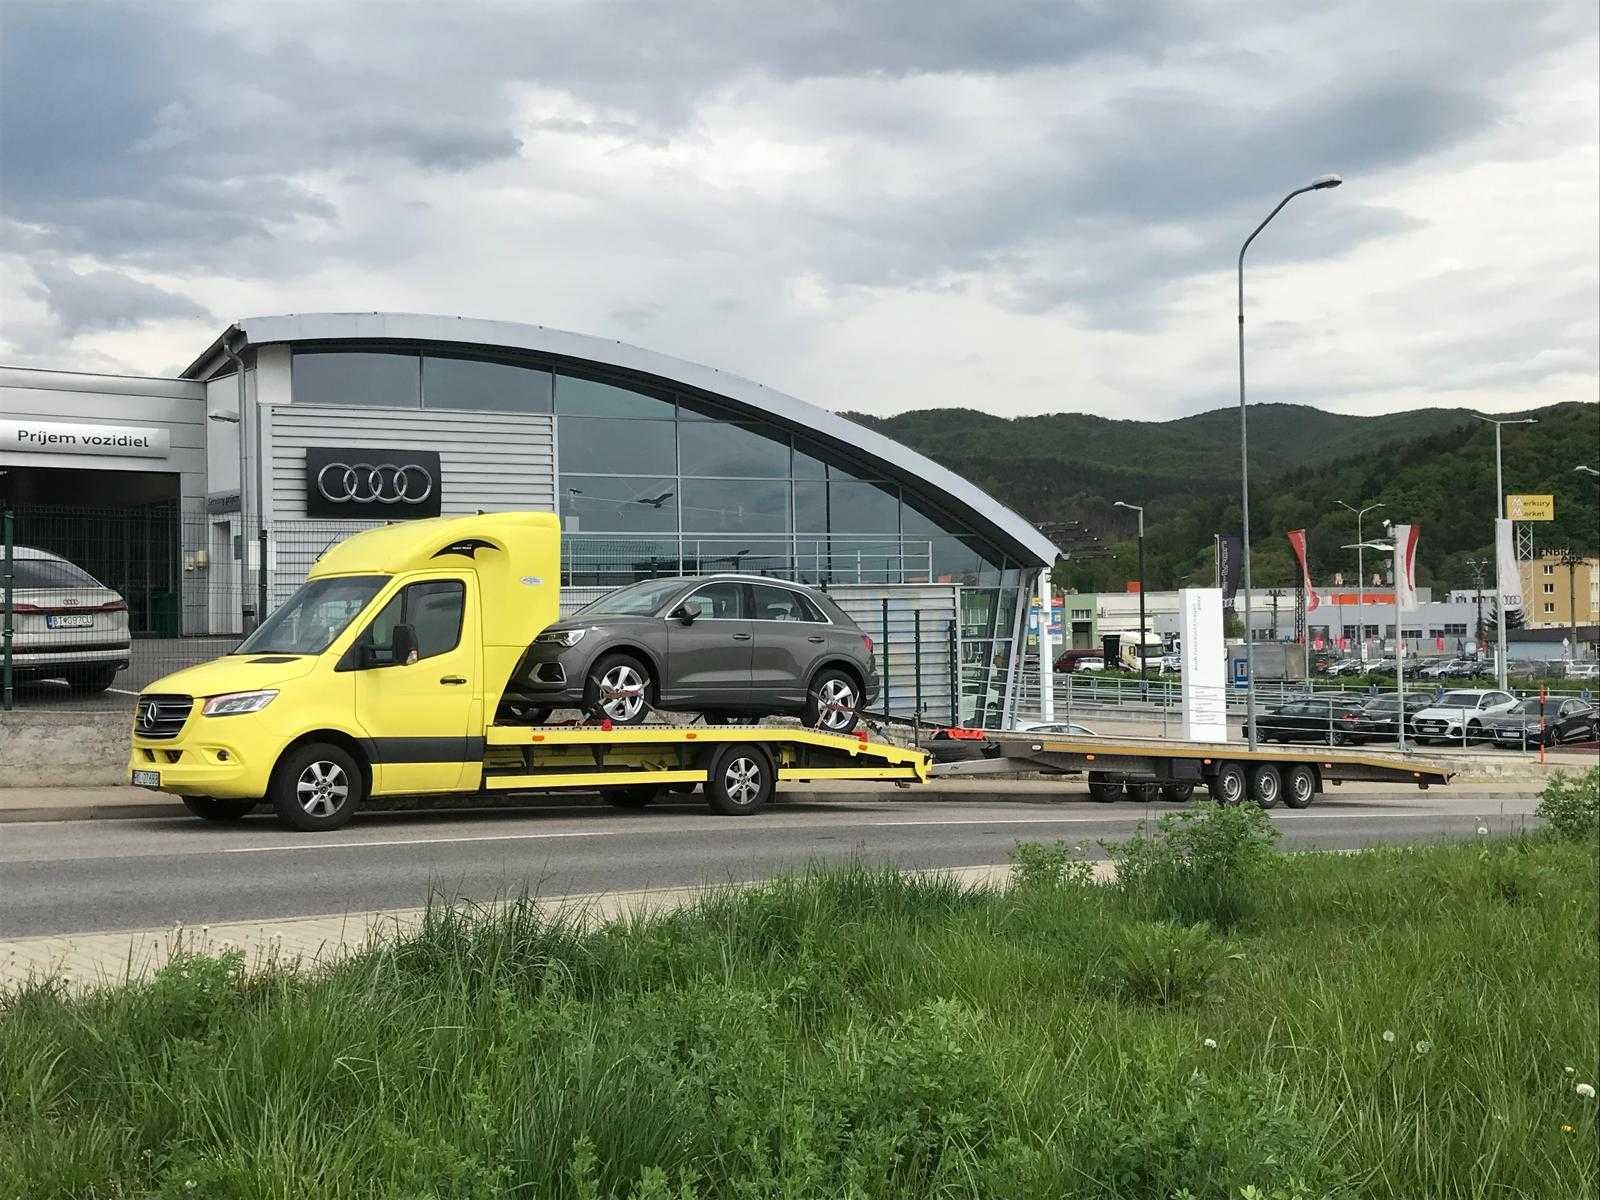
(150, 779)
(81, 621)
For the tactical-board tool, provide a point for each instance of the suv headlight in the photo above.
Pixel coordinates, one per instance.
(235, 703)
(560, 637)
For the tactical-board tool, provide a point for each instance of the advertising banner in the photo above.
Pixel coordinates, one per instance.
(1530, 508)
(1297, 539)
(1230, 557)
(1505, 552)
(1405, 566)
(1205, 702)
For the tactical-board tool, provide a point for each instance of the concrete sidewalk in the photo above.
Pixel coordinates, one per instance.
(83, 961)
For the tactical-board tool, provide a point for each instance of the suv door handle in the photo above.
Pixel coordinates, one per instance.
(452, 679)
(741, 637)
(815, 638)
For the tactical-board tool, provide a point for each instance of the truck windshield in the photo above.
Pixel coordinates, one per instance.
(636, 600)
(310, 619)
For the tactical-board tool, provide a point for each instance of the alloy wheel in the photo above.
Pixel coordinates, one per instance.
(322, 788)
(622, 693)
(836, 704)
(742, 780)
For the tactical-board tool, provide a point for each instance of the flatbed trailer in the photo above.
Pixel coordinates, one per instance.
(1138, 767)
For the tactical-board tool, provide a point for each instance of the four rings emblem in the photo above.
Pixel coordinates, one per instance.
(365, 483)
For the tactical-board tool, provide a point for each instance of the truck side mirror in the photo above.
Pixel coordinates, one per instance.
(404, 645)
(687, 612)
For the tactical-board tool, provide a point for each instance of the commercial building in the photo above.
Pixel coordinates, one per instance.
(206, 498)
(1560, 590)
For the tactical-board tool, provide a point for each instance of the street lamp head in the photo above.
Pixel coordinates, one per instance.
(1587, 471)
(1325, 181)
(1125, 504)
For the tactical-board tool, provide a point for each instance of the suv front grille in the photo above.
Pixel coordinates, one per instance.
(161, 716)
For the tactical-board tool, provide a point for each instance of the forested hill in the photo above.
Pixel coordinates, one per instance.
(1434, 467)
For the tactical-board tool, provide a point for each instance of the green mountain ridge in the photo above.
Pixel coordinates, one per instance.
(1432, 467)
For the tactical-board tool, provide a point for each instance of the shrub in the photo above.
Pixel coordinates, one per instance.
(1034, 864)
(1158, 962)
(1570, 808)
(1200, 864)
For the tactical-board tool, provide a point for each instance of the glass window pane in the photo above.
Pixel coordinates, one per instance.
(718, 448)
(590, 398)
(433, 610)
(954, 561)
(735, 506)
(596, 503)
(783, 604)
(616, 446)
(811, 507)
(722, 602)
(705, 554)
(863, 508)
(810, 460)
(484, 385)
(615, 561)
(373, 380)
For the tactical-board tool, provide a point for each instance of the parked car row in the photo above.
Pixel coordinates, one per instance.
(1432, 668)
(1457, 716)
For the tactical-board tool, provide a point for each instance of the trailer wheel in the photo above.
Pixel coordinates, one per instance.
(1228, 785)
(1103, 789)
(1143, 793)
(316, 786)
(1177, 793)
(635, 795)
(1300, 786)
(742, 781)
(1266, 785)
(212, 808)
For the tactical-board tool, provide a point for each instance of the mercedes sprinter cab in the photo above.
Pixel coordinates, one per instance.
(378, 677)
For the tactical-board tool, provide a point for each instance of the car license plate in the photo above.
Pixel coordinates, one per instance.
(148, 779)
(74, 621)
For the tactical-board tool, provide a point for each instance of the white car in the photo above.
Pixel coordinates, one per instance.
(66, 623)
(1089, 664)
(1460, 714)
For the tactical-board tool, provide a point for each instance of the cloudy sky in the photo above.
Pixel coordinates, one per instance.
(1017, 205)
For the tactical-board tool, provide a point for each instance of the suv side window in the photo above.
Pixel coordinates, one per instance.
(434, 609)
(723, 602)
(783, 604)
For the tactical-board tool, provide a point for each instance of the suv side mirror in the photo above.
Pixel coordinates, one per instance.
(687, 612)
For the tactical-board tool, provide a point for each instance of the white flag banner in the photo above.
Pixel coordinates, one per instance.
(1405, 566)
(1506, 569)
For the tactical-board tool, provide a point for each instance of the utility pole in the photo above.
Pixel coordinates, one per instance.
(1499, 514)
(1570, 561)
(1361, 578)
(1139, 508)
(1478, 565)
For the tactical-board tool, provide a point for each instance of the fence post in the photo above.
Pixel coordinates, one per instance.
(885, 630)
(261, 576)
(955, 675)
(7, 697)
(916, 656)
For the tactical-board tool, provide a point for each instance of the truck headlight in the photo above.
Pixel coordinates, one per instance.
(235, 703)
(560, 637)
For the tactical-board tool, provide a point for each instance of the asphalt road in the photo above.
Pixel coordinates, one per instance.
(82, 876)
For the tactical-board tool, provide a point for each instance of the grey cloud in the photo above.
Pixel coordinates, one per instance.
(100, 300)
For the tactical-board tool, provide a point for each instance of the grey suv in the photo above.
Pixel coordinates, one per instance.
(728, 646)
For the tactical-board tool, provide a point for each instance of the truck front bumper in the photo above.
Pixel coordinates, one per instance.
(196, 767)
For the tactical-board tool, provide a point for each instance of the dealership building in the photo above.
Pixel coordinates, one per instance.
(205, 498)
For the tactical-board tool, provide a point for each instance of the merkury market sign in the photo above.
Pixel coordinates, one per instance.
(60, 437)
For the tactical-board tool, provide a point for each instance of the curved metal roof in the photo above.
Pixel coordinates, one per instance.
(984, 514)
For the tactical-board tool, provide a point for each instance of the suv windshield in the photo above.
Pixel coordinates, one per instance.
(636, 600)
(310, 619)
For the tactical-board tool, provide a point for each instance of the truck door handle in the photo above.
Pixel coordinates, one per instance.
(741, 637)
(452, 679)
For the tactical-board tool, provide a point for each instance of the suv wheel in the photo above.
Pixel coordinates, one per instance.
(833, 702)
(619, 690)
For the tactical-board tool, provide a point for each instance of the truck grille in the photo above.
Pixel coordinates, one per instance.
(159, 716)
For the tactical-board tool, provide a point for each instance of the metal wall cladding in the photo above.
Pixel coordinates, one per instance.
(937, 604)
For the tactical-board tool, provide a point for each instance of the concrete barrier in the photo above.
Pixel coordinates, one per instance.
(60, 747)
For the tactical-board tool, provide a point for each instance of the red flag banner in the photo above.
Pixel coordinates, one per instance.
(1405, 565)
(1297, 539)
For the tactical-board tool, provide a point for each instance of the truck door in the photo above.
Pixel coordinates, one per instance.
(422, 717)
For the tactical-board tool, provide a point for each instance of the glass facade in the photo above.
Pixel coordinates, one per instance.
(652, 482)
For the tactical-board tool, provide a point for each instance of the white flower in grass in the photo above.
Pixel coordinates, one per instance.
(1570, 1070)
(1423, 1047)
(1482, 830)
(1210, 1043)
(1388, 1036)
(1586, 1090)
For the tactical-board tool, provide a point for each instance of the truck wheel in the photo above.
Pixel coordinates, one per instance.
(833, 702)
(1228, 785)
(619, 690)
(212, 808)
(741, 782)
(634, 795)
(1266, 785)
(316, 786)
(1177, 793)
(97, 679)
(1103, 789)
(1143, 793)
(1300, 786)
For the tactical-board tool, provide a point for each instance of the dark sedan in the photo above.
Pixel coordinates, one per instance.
(1551, 722)
(728, 646)
(1379, 721)
(1319, 719)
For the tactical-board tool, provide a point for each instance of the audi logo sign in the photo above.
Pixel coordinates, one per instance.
(369, 483)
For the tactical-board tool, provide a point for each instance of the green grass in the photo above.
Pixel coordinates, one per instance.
(861, 1034)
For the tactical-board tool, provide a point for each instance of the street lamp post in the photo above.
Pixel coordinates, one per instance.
(1399, 647)
(1318, 184)
(1361, 581)
(1499, 513)
(1477, 566)
(1138, 508)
